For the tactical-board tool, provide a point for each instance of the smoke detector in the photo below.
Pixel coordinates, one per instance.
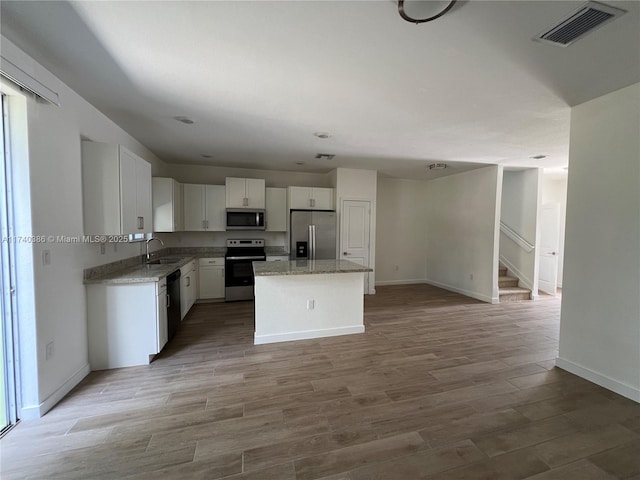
(437, 166)
(185, 120)
(577, 24)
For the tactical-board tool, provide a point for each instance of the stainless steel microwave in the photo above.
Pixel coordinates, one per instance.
(245, 219)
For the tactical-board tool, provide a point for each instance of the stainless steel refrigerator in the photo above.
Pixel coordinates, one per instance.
(313, 235)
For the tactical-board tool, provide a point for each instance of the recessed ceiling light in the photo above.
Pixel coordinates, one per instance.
(437, 166)
(299, 163)
(205, 155)
(325, 156)
(322, 134)
(185, 120)
(538, 157)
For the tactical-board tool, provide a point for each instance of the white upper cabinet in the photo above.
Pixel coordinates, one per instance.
(245, 192)
(167, 205)
(116, 188)
(311, 198)
(204, 207)
(276, 209)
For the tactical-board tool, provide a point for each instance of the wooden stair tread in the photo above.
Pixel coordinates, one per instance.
(508, 290)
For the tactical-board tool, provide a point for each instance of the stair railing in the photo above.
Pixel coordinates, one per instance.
(516, 237)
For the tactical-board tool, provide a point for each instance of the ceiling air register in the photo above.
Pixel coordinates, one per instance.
(577, 24)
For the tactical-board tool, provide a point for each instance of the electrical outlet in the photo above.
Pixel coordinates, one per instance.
(471, 276)
(310, 304)
(49, 351)
(397, 268)
(46, 257)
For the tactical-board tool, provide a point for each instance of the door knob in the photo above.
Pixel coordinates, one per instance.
(345, 253)
(553, 253)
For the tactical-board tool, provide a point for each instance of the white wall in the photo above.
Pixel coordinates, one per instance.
(211, 175)
(463, 212)
(354, 184)
(401, 231)
(52, 200)
(600, 321)
(519, 211)
(554, 190)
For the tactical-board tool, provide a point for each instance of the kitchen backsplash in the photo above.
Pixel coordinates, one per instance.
(218, 239)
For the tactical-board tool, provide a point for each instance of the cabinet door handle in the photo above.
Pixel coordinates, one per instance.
(207, 222)
(142, 222)
(313, 202)
(168, 301)
(188, 281)
(245, 202)
(204, 225)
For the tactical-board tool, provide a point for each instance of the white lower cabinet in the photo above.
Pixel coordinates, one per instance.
(127, 323)
(188, 288)
(211, 278)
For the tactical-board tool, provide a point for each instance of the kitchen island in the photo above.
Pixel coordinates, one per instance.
(303, 299)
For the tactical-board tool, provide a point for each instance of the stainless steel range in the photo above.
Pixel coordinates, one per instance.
(238, 271)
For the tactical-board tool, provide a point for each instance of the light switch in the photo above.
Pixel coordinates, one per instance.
(46, 257)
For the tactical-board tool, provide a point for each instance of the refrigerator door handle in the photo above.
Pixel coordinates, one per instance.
(310, 248)
(314, 241)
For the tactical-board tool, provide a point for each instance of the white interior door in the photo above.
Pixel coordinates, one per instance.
(548, 251)
(355, 233)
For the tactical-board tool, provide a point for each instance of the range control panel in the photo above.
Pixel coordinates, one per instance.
(245, 243)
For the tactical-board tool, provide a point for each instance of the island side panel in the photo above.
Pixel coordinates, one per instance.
(281, 311)
(121, 326)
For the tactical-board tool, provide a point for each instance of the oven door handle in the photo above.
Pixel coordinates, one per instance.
(257, 257)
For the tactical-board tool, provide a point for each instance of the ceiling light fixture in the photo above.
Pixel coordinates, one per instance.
(437, 166)
(406, 17)
(322, 135)
(299, 163)
(185, 120)
(325, 156)
(205, 155)
(538, 157)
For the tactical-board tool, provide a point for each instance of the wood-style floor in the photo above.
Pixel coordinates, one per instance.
(439, 387)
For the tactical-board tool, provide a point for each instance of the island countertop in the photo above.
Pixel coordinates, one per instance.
(307, 267)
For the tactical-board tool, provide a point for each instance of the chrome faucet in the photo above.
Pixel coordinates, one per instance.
(148, 254)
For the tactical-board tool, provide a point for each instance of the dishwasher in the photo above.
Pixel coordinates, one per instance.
(173, 303)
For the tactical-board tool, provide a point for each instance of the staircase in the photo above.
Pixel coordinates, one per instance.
(508, 289)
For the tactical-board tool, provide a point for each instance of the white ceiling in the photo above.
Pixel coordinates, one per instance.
(259, 78)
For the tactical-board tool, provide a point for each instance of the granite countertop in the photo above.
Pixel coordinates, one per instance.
(307, 267)
(140, 273)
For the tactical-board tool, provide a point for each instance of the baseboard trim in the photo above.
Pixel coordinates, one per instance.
(414, 281)
(604, 381)
(307, 334)
(462, 291)
(36, 411)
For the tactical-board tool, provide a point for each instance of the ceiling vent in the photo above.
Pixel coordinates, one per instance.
(577, 24)
(325, 156)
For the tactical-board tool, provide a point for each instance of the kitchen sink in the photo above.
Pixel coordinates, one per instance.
(164, 261)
